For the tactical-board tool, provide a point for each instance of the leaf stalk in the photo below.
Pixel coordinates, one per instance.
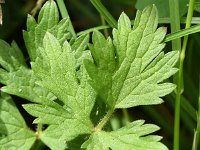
(103, 121)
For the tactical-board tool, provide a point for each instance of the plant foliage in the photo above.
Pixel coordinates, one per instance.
(66, 81)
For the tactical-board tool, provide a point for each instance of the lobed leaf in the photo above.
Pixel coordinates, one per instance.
(16, 76)
(130, 70)
(133, 136)
(57, 70)
(14, 131)
(48, 20)
(126, 71)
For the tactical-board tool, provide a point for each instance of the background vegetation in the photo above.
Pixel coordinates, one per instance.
(84, 15)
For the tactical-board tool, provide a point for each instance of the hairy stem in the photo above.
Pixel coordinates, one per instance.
(104, 121)
(39, 130)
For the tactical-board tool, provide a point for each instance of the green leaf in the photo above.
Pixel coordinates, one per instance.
(16, 134)
(57, 118)
(17, 77)
(129, 71)
(11, 57)
(163, 6)
(126, 71)
(57, 70)
(79, 46)
(48, 20)
(133, 136)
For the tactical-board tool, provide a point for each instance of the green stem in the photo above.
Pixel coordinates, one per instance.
(180, 79)
(194, 144)
(93, 29)
(64, 14)
(103, 22)
(175, 22)
(126, 116)
(39, 130)
(104, 12)
(104, 121)
(197, 132)
(176, 45)
(198, 122)
(177, 114)
(38, 143)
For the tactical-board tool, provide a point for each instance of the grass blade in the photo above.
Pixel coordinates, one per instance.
(184, 32)
(104, 12)
(195, 20)
(64, 14)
